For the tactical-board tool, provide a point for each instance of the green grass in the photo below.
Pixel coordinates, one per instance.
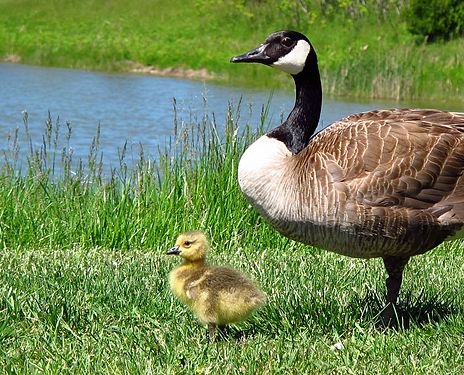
(105, 311)
(193, 183)
(360, 56)
(83, 275)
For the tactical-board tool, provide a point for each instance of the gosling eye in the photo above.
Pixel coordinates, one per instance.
(187, 243)
(287, 42)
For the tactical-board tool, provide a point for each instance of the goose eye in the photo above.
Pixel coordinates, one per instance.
(287, 42)
(187, 243)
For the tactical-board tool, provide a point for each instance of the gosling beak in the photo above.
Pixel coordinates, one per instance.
(255, 55)
(174, 251)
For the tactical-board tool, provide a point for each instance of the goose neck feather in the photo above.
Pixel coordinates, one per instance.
(302, 121)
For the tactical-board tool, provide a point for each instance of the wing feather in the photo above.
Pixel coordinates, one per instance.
(408, 158)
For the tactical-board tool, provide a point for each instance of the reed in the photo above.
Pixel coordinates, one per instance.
(48, 199)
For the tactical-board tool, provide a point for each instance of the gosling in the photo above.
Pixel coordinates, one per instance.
(217, 295)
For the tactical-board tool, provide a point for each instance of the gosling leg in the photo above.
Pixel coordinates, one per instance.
(211, 331)
(222, 331)
(394, 266)
(216, 332)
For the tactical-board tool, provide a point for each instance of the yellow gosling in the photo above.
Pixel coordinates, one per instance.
(217, 295)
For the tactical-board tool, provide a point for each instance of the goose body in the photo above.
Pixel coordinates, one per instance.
(393, 188)
(217, 295)
(384, 183)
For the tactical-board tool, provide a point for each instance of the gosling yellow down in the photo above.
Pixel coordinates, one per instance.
(217, 295)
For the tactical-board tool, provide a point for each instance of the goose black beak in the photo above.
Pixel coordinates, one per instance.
(174, 251)
(255, 55)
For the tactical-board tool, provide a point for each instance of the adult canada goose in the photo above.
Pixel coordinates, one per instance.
(384, 183)
(217, 295)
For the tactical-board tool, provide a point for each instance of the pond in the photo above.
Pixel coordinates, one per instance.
(129, 107)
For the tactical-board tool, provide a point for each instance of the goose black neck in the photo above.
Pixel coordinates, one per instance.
(302, 121)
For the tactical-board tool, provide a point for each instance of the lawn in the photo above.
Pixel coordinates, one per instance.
(110, 311)
(83, 275)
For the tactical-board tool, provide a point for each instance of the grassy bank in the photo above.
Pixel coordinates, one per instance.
(368, 56)
(83, 274)
(193, 183)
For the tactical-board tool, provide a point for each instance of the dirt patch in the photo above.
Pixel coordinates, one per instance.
(202, 74)
(11, 58)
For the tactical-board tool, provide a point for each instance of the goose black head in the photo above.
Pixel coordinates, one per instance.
(293, 53)
(286, 50)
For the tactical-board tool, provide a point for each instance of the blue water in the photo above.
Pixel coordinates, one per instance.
(136, 108)
(130, 107)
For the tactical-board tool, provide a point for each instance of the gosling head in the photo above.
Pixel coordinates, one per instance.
(192, 246)
(286, 50)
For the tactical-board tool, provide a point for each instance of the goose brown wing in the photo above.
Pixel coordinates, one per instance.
(407, 158)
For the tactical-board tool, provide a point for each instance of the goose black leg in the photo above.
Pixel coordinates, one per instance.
(395, 266)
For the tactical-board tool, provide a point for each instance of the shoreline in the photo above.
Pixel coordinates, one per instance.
(174, 72)
(139, 68)
(452, 103)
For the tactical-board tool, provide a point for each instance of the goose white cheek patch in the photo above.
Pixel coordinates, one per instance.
(294, 61)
